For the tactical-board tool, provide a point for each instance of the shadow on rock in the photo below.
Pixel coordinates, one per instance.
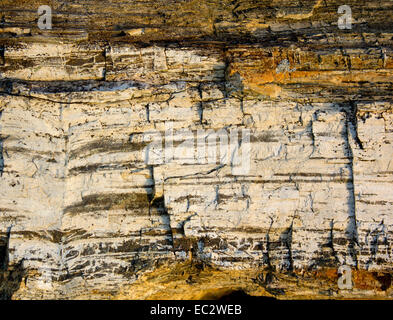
(10, 275)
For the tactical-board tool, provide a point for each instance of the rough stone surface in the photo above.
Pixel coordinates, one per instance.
(84, 214)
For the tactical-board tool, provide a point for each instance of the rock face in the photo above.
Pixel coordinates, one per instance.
(105, 187)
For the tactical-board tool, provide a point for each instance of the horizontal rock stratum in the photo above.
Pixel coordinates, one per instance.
(89, 209)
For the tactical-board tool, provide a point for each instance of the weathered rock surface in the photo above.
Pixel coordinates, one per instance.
(85, 212)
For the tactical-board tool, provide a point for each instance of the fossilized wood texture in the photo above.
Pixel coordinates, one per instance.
(83, 215)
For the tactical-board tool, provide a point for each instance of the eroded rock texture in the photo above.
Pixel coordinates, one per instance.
(84, 214)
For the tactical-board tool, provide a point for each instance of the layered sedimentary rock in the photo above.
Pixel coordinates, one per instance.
(91, 206)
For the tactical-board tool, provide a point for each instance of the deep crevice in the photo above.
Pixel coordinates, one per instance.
(330, 243)
(10, 275)
(352, 232)
(286, 240)
(157, 202)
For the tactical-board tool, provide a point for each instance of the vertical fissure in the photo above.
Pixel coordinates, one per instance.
(157, 201)
(351, 132)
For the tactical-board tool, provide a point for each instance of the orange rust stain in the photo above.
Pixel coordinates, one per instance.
(363, 280)
(258, 69)
(270, 90)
